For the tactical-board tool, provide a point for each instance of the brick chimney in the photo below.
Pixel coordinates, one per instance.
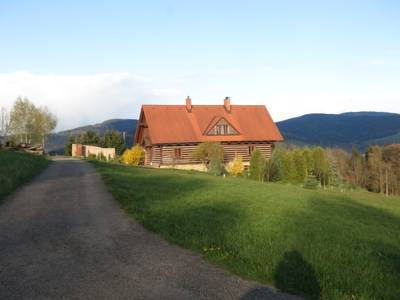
(227, 104)
(188, 104)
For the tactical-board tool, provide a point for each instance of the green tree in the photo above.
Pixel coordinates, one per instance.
(114, 139)
(288, 166)
(356, 174)
(308, 160)
(334, 176)
(44, 123)
(300, 165)
(257, 165)
(68, 146)
(212, 155)
(282, 165)
(391, 159)
(375, 176)
(274, 168)
(321, 166)
(89, 138)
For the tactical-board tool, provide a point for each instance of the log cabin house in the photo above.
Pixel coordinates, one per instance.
(169, 133)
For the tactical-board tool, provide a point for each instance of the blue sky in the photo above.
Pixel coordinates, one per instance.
(296, 57)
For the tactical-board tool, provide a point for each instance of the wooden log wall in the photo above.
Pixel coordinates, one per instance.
(165, 154)
(243, 150)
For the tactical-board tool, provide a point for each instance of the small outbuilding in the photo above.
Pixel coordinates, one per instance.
(79, 150)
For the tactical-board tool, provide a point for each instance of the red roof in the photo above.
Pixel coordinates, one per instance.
(174, 124)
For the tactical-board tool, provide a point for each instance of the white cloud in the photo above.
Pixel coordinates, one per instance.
(85, 99)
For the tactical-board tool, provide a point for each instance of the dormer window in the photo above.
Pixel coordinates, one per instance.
(222, 127)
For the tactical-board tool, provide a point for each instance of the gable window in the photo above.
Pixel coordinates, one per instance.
(178, 153)
(222, 128)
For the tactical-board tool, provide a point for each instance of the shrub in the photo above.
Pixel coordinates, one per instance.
(311, 182)
(133, 156)
(236, 168)
(215, 167)
(257, 165)
(212, 155)
(101, 157)
(271, 170)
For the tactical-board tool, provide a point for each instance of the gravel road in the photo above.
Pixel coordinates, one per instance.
(63, 236)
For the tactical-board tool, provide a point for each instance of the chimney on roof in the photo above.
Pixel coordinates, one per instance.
(188, 104)
(227, 104)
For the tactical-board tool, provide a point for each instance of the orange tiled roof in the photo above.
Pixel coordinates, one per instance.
(174, 124)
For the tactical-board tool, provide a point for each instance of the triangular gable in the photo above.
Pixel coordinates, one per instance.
(220, 126)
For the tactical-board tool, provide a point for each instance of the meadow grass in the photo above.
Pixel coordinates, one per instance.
(317, 244)
(17, 168)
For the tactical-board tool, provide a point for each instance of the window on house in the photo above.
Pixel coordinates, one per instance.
(225, 129)
(178, 153)
(251, 149)
(222, 128)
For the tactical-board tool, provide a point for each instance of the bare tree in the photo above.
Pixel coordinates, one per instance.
(4, 124)
(21, 119)
(4, 121)
(29, 123)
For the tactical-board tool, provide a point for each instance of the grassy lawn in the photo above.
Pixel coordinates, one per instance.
(319, 244)
(17, 168)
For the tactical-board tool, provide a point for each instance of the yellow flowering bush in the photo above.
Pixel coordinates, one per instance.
(133, 156)
(236, 168)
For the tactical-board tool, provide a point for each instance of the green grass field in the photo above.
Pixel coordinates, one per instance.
(318, 244)
(17, 168)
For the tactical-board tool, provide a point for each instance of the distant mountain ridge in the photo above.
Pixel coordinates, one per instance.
(346, 130)
(57, 141)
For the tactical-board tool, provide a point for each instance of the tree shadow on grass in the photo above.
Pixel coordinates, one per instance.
(294, 274)
(353, 247)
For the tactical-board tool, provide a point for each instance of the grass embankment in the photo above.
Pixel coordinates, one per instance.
(17, 168)
(319, 244)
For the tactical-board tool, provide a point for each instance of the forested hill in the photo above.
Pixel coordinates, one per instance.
(347, 130)
(58, 140)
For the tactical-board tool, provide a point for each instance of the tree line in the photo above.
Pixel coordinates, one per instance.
(377, 170)
(26, 123)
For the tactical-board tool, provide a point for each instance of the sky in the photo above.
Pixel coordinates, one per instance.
(89, 61)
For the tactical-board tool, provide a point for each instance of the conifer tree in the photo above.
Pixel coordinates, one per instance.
(321, 168)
